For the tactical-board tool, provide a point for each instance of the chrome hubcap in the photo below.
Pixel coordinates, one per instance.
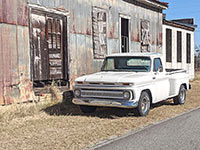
(182, 95)
(145, 104)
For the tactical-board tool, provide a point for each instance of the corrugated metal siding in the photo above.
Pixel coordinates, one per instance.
(14, 12)
(81, 54)
(2, 71)
(15, 85)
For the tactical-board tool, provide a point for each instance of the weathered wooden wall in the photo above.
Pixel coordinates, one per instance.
(81, 52)
(15, 82)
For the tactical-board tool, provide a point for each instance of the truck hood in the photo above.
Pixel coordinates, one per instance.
(115, 77)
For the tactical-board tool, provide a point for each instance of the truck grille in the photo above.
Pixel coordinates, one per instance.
(111, 94)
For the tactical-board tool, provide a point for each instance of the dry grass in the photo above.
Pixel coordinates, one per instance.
(197, 75)
(62, 126)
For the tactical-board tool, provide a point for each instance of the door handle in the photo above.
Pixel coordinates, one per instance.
(154, 78)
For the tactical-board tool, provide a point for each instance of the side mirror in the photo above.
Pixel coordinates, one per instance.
(160, 69)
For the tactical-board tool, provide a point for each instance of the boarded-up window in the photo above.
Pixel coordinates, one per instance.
(145, 36)
(168, 45)
(99, 32)
(179, 46)
(188, 48)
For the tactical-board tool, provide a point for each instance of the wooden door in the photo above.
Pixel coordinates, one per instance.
(49, 49)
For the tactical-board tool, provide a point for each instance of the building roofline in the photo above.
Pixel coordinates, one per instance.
(161, 3)
(176, 24)
(155, 3)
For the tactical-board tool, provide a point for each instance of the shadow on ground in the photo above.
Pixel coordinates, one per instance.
(66, 107)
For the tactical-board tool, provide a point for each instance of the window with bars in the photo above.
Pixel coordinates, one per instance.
(179, 46)
(168, 45)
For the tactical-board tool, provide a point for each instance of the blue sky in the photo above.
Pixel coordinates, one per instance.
(179, 9)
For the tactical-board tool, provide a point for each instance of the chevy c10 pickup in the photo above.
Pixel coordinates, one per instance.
(131, 80)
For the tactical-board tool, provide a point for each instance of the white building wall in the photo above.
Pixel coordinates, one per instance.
(174, 64)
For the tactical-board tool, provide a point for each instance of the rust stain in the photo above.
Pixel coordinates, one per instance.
(74, 29)
(1, 19)
(111, 35)
(138, 37)
(2, 70)
(13, 48)
(160, 38)
(73, 15)
(22, 13)
(132, 37)
(9, 11)
(14, 12)
(88, 30)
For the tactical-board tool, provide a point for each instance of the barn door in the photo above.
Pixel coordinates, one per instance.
(49, 49)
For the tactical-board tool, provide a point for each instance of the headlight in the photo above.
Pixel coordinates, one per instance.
(127, 95)
(77, 93)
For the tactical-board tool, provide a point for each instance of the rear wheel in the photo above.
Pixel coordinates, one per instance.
(88, 109)
(180, 99)
(143, 105)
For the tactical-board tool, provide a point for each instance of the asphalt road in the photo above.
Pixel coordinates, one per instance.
(180, 133)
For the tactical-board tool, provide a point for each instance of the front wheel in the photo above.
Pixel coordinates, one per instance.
(143, 105)
(180, 99)
(88, 109)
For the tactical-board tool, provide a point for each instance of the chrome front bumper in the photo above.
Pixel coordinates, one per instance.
(105, 102)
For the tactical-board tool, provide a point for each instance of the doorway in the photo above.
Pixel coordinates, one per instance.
(124, 35)
(49, 53)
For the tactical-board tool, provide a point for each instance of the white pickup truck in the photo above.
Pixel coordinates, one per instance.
(129, 80)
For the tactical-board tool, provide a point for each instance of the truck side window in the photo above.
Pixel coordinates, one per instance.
(157, 65)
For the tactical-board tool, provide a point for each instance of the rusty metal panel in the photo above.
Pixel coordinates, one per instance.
(22, 12)
(10, 64)
(82, 69)
(15, 85)
(25, 86)
(23, 52)
(9, 11)
(1, 15)
(2, 71)
(73, 63)
(14, 12)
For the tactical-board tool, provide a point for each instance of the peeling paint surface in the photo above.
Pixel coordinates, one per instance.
(15, 84)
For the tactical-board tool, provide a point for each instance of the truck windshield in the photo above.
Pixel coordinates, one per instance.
(132, 64)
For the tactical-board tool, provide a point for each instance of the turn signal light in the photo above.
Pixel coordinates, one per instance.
(126, 83)
(80, 82)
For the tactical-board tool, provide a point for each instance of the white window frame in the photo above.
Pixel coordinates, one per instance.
(129, 30)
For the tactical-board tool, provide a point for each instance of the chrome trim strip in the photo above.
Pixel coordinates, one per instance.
(105, 102)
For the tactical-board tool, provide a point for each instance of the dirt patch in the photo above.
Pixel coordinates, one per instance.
(61, 125)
